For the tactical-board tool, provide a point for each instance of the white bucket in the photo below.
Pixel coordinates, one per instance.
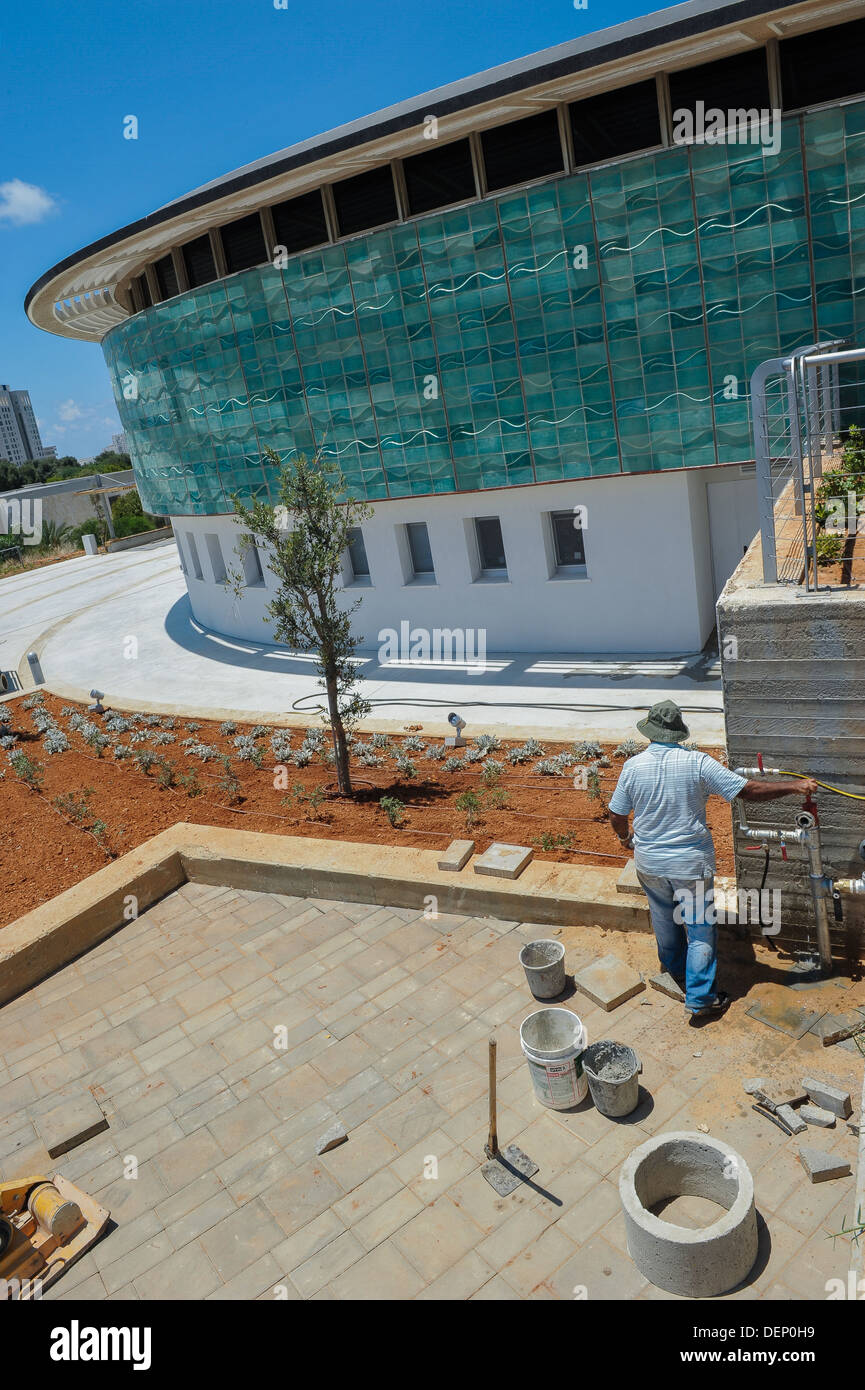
(553, 1041)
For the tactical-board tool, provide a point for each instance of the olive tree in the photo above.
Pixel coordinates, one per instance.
(305, 536)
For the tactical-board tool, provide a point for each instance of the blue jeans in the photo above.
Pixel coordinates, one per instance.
(685, 925)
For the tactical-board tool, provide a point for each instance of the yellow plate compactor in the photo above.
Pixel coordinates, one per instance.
(45, 1226)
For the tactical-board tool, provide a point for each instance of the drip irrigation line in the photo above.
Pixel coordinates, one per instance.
(503, 704)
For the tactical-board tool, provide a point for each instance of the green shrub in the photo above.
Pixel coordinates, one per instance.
(549, 841)
(495, 798)
(492, 773)
(830, 547)
(393, 808)
(229, 783)
(75, 808)
(470, 805)
(95, 527)
(165, 774)
(28, 770)
(190, 784)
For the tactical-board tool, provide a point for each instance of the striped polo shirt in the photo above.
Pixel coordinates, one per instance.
(666, 787)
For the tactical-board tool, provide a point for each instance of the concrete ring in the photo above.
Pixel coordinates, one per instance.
(699, 1263)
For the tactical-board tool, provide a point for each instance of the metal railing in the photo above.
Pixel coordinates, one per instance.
(801, 408)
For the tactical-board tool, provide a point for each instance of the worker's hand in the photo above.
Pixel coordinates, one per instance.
(808, 786)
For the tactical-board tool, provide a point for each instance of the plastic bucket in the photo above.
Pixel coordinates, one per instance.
(553, 1041)
(544, 964)
(613, 1072)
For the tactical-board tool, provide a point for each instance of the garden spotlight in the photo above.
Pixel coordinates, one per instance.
(456, 740)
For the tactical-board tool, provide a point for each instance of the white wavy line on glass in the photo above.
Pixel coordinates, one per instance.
(701, 227)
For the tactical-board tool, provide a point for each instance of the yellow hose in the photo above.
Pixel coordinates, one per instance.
(854, 796)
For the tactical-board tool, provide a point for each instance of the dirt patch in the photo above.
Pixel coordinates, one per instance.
(110, 806)
(37, 561)
(849, 571)
(735, 1046)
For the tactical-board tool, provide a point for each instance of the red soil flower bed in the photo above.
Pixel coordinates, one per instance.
(45, 850)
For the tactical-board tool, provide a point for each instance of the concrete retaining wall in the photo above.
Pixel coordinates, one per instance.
(159, 533)
(793, 669)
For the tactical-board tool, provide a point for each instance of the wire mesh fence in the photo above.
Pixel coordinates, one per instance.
(804, 408)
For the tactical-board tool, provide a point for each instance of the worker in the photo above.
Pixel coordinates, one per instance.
(666, 788)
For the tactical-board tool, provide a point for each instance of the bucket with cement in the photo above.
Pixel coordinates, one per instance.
(553, 1041)
(613, 1072)
(544, 964)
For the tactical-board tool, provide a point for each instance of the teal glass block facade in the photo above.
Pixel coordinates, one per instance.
(601, 322)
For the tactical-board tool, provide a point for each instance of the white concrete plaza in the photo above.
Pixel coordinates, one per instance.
(122, 623)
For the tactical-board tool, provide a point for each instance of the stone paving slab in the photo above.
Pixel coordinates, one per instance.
(503, 861)
(73, 1118)
(627, 881)
(609, 982)
(247, 1024)
(456, 856)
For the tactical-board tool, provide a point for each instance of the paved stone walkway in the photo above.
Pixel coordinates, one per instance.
(209, 1164)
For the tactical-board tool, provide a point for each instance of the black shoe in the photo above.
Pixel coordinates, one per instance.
(720, 1006)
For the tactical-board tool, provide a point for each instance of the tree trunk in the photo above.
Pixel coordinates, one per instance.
(340, 746)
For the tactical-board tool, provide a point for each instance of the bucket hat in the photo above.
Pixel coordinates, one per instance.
(664, 723)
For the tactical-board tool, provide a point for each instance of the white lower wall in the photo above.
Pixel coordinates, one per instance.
(649, 586)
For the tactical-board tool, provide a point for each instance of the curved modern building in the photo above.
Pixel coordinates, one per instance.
(530, 297)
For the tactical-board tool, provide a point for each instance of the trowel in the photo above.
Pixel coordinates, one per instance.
(506, 1168)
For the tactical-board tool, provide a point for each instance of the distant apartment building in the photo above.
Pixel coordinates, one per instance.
(118, 443)
(19, 433)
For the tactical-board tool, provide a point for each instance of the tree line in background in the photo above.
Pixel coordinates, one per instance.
(50, 470)
(127, 514)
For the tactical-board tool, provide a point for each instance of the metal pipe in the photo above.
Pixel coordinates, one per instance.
(763, 462)
(851, 355)
(796, 460)
(812, 430)
(796, 837)
(850, 885)
(807, 834)
(819, 887)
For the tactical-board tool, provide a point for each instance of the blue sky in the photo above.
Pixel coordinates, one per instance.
(214, 84)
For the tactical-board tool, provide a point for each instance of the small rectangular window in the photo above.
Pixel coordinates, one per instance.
(615, 123)
(739, 83)
(367, 200)
(217, 563)
(243, 243)
(419, 547)
(824, 66)
(491, 547)
(568, 541)
(253, 574)
(523, 150)
(144, 291)
(166, 277)
(357, 553)
(198, 259)
(300, 222)
(193, 555)
(439, 176)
